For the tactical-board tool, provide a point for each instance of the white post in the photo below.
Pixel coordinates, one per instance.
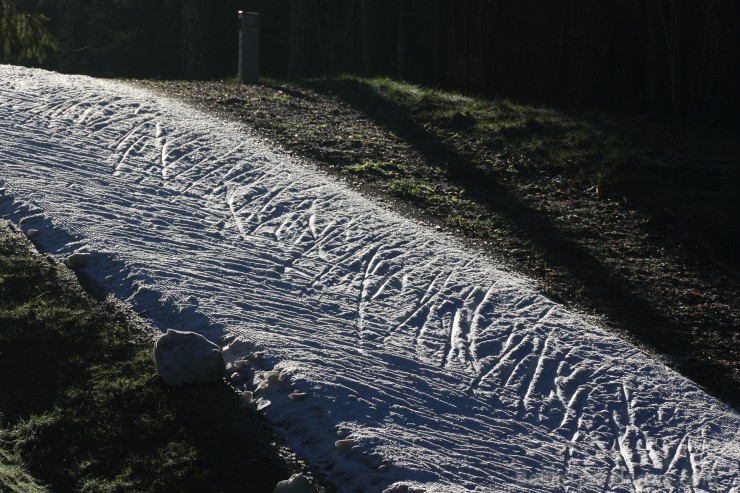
(249, 47)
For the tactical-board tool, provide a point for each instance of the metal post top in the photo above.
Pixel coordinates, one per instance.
(249, 19)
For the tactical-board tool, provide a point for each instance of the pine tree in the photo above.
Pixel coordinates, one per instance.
(23, 36)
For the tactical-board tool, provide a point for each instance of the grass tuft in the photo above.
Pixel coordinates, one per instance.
(13, 477)
(386, 169)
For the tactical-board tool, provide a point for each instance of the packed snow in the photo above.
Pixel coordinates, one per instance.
(412, 361)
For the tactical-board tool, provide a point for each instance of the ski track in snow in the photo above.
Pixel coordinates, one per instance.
(453, 373)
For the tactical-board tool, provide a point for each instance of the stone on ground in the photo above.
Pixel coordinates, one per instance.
(298, 483)
(188, 358)
(78, 260)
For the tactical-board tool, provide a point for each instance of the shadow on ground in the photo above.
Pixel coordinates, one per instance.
(608, 292)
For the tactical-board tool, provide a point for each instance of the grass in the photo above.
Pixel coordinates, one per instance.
(14, 478)
(684, 173)
(526, 136)
(82, 408)
(477, 226)
(514, 138)
(413, 189)
(388, 169)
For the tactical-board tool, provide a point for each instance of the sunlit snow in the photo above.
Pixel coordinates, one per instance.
(414, 360)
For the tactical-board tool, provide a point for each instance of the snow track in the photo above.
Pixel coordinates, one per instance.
(437, 369)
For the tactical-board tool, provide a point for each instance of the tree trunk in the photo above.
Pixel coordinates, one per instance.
(655, 89)
(401, 40)
(22, 35)
(366, 13)
(193, 40)
(717, 65)
(436, 41)
(298, 19)
(482, 18)
(577, 32)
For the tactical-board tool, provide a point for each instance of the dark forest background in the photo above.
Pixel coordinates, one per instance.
(664, 57)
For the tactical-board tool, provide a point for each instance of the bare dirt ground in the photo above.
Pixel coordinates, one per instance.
(644, 272)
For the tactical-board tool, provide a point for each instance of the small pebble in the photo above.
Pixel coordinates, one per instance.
(262, 404)
(241, 363)
(32, 233)
(297, 396)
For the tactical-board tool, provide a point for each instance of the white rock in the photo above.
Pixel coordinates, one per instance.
(188, 358)
(271, 376)
(403, 488)
(78, 260)
(297, 396)
(238, 346)
(298, 483)
(32, 233)
(240, 363)
(256, 357)
(345, 444)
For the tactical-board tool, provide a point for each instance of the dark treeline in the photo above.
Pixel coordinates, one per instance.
(678, 57)
(669, 57)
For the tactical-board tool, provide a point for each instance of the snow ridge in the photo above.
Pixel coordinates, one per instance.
(422, 364)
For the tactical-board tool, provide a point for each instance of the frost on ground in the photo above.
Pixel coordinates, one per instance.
(413, 362)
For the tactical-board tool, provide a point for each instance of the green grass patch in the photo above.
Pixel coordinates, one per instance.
(413, 189)
(418, 190)
(387, 169)
(519, 136)
(525, 136)
(82, 408)
(482, 227)
(13, 476)
(686, 173)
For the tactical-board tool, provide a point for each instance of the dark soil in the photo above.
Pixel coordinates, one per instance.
(635, 253)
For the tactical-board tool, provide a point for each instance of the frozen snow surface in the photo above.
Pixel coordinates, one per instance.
(412, 361)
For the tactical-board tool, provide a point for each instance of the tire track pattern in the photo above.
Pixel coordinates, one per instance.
(424, 354)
